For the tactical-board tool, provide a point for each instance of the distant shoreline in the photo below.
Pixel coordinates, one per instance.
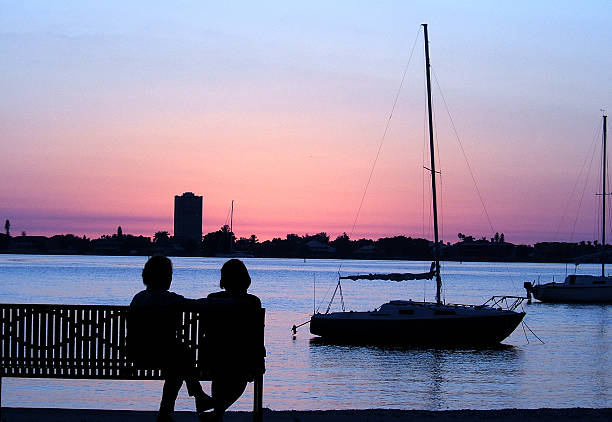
(13, 414)
(224, 244)
(472, 260)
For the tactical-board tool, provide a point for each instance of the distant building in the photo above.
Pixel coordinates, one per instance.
(317, 247)
(188, 217)
(367, 251)
(28, 244)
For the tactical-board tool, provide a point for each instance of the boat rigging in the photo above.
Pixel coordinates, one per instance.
(579, 288)
(409, 322)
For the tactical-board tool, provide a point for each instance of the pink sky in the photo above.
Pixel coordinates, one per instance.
(108, 114)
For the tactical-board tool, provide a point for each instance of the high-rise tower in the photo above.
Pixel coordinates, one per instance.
(188, 217)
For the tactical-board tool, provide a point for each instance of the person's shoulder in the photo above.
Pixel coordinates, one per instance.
(240, 298)
(139, 294)
(159, 297)
(138, 298)
(173, 295)
(251, 300)
(219, 295)
(254, 300)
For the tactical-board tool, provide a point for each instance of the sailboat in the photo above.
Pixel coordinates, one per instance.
(233, 253)
(408, 322)
(581, 288)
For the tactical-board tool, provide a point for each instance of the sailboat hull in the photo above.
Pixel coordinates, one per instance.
(472, 328)
(562, 293)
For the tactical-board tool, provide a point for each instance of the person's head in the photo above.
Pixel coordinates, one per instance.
(157, 273)
(235, 276)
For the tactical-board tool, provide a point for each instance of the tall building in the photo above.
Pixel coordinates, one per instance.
(188, 216)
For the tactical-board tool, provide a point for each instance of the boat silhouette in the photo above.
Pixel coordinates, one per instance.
(581, 288)
(408, 322)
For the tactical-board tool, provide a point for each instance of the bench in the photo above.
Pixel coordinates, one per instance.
(89, 342)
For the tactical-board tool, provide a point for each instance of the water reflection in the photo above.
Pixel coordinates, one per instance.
(603, 358)
(427, 378)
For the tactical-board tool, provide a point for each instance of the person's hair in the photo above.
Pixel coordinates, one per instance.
(157, 272)
(235, 276)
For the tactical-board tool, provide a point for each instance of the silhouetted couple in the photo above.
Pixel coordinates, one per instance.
(153, 339)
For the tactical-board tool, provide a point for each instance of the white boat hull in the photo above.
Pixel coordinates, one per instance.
(562, 293)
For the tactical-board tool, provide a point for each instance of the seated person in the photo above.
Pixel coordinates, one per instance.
(230, 332)
(153, 339)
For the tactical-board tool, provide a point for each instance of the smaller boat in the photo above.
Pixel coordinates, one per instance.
(579, 288)
(232, 253)
(576, 288)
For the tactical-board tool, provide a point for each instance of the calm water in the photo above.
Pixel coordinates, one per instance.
(573, 367)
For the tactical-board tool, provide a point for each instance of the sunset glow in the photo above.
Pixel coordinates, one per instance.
(110, 111)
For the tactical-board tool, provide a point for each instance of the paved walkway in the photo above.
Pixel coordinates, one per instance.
(372, 415)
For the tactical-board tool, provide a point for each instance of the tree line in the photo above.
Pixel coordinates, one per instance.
(224, 243)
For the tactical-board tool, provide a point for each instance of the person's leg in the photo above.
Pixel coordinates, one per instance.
(225, 392)
(185, 365)
(194, 388)
(203, 401)
(172, 385)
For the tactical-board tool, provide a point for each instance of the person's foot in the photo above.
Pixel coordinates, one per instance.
(203, 403)
(164, 417)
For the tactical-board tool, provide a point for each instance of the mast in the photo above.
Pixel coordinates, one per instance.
(603, 200)
(231, 227)
(433, 170)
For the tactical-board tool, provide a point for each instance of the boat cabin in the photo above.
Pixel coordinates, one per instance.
(586, 280)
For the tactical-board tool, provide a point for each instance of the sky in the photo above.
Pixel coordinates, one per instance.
(108, 110)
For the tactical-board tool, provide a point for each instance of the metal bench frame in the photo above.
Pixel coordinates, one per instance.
(89, 342)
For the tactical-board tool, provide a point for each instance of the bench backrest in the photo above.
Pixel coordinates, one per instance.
(89, 341)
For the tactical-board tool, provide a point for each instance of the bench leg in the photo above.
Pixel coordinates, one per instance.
(258, 398)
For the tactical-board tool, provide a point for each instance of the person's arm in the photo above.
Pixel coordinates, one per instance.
(183, 302)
